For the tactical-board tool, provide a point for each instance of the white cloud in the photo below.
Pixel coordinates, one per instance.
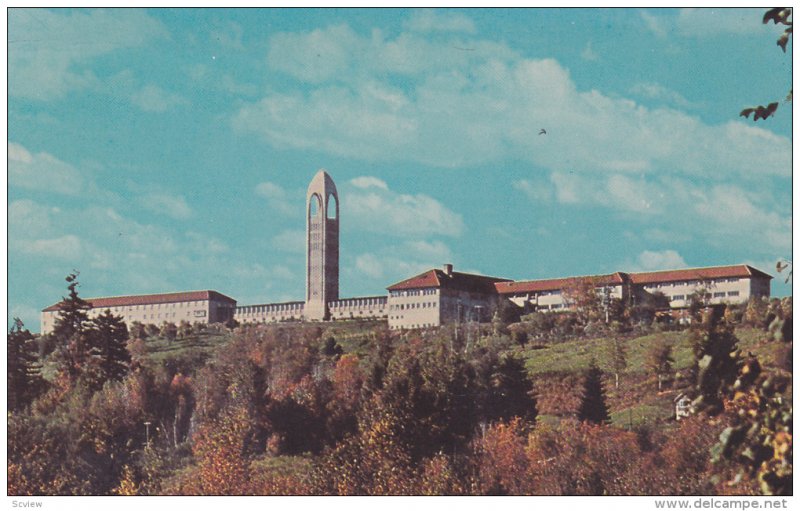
(396, 262)
(658, 92)
(384, 211)
(174, 206)
(42, 171)
(50, 51)
(369, 181)
(704, 22)
(277, 198)
(650, 260)
(654, 23)
(467, 108)
(152, 98)
(429, 20)
(680, 210)
(64, 247)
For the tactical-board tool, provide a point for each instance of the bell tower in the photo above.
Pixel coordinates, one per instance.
(322, 246)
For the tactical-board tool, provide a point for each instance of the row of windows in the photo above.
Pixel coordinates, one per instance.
(152, 306)
(357, 302)
(413, 292)
(421, 305)
(416, 325)
(720, 294)
(250, 309)
(691, 283)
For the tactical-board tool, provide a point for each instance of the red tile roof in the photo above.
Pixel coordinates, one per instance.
(716, 272)
(534, 286)
(455, 280)
(117, 301)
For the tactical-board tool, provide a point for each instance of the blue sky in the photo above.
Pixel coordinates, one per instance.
(165, 150)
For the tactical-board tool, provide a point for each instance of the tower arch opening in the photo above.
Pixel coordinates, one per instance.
(333, 207)
(314, 206)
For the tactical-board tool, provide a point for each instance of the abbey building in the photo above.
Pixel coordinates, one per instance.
(430, 299)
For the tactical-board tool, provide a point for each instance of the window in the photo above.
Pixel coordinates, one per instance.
(719, 295)
(733, 293)
(679, 297)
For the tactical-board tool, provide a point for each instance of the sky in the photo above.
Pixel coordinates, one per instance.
(169, 150)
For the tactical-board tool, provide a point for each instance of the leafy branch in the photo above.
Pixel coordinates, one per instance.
(778, 15)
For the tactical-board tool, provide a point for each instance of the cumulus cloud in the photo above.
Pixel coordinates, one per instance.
(42, 171)
(704, 22)
(50, 51)
(174, 206)
(674, 209)
(277, 198)
(152, 98)
(379, 209)
(650, 260)
(63, 247)
(369, 181)
(400, 261)
(658, 92)
(466, 108)
(429, 20)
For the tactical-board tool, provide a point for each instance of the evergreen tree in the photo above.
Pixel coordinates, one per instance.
(593, 406)
(511, 392)
(108, 347)
(24, 379)
(716, 359)
(72, 315)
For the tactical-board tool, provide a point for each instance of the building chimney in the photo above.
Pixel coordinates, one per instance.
(448, 269)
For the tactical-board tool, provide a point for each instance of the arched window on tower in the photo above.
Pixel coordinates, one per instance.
(315, 207)
(333, 207)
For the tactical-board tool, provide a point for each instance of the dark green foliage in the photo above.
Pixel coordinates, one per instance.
(108, 350)
(716, 359)
(332, 349)
(72, 315)
(593, 406)
(24, 378)
(511, 393)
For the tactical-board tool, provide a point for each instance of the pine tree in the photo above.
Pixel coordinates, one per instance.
(24, 379)
(108, 351)
(511, 392)
(72, 315)
(593, 406)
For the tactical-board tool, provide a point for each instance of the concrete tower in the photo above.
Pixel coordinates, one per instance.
(322, 246)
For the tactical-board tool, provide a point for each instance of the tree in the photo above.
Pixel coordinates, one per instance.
(660, 361)
(619, 358)
(72, 315)
(581, 294)
(108, 347)
(759, 440)
(511, 392)
(716, 359)
(169, 331)
(593, 406)
(332, 349)
(778, 15)
(24, 378)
